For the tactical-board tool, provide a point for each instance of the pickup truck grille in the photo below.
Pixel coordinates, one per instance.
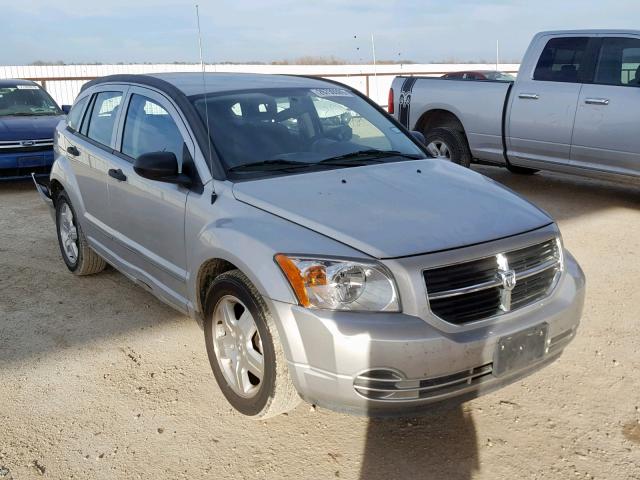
(25, 146)
(490, 286)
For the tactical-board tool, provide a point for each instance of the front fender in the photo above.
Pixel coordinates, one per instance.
(249, 238)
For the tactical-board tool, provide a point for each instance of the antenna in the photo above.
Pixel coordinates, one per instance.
(206, 100)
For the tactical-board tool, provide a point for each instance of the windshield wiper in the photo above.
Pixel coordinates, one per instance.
(368, 155)
(274, 164)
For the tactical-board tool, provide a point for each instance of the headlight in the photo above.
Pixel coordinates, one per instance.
(340, 284)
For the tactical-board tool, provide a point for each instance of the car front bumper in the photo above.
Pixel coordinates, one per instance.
(385, 364)
(17, 166)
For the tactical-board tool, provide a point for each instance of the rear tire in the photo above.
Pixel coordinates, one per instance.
(76, 252)
(448, 144)
(521, 170)
(244, 349)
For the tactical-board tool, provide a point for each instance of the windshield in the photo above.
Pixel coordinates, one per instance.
(275, 129)
(26, 100)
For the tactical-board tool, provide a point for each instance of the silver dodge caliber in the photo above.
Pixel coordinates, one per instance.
(325, 255)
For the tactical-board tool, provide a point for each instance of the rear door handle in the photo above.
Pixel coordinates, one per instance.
(72, 150)
(529, 96)
(596, 101)
(117, 174)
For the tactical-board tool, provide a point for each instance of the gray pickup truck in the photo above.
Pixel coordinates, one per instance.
(573, 108)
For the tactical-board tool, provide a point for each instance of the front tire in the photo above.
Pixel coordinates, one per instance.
(76, 252)
(448, 144)
(244, 349)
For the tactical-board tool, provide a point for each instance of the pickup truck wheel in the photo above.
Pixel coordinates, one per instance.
(521, 170)
(244, 348)
(76, 253)
(448, 144)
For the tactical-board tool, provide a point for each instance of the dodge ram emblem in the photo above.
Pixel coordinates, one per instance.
(508, 279)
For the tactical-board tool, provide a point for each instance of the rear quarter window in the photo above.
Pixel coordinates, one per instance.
(74, 118)
(103, 117)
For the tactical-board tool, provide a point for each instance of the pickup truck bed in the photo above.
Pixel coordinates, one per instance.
(572, 108)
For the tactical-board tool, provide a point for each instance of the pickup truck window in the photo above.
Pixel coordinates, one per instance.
(75, 115)
(103, 117)
(619, 62)
(149, 128)
(302, 125)
(562, 60)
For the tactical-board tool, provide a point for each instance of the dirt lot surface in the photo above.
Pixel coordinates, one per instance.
(100, 380)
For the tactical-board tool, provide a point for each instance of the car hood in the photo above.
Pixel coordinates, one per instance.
(28, 128)
(397, 209)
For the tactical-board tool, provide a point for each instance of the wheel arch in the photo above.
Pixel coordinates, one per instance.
(439, 117)
(207, 273)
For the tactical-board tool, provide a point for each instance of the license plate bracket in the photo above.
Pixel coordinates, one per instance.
(517, 351)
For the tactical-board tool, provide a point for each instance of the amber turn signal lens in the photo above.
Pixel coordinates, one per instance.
(295, 278)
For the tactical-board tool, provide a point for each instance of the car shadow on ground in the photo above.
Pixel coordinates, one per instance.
(567, 196)
(43, 307)
(439, 445)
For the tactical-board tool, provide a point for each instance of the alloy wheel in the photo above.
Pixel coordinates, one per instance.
(439, 149)
(238, 346)
(68, 233)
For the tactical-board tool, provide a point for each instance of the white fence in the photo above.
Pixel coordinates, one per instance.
(64, 82)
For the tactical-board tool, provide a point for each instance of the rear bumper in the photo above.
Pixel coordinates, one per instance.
(16, 166)
(397, 364)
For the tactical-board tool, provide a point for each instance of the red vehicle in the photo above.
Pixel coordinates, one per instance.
(480, 75)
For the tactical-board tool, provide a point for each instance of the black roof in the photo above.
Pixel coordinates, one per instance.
(192, 83)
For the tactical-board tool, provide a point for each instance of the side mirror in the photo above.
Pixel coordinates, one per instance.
(161, 167)
(419, 137)
(66, 109)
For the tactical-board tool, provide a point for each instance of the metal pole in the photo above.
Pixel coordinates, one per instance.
(375, 67)
(497, 54)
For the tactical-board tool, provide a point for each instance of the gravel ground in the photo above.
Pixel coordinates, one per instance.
(100, 380)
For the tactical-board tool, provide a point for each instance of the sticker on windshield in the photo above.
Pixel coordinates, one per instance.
(331, 92)
(27, 87)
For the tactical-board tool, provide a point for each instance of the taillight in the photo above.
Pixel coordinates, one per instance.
(390, 107)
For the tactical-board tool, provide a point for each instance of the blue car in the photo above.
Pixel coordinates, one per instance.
(28, 118)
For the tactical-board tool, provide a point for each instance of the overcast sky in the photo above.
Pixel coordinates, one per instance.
(164, 31)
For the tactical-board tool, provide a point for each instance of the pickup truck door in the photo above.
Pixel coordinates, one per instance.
(543, 103)
(607, 120)
(149, 216)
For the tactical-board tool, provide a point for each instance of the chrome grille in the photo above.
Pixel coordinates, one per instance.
(490, 286)
(22, 146)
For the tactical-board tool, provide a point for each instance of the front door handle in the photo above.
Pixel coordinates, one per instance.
(529, 96)
(117, 174)
(72, 150)
(596, 101)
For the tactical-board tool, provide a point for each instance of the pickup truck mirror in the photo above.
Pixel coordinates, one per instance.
(419, 137)
(162, 167)
(66, 109)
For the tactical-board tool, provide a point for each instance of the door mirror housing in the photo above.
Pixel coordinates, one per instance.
(419, 137)
(161, 167)
(66, 109)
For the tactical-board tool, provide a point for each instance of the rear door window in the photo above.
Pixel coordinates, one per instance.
(149, 128)
(562, 60)
(103, 117)
(619, 62)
